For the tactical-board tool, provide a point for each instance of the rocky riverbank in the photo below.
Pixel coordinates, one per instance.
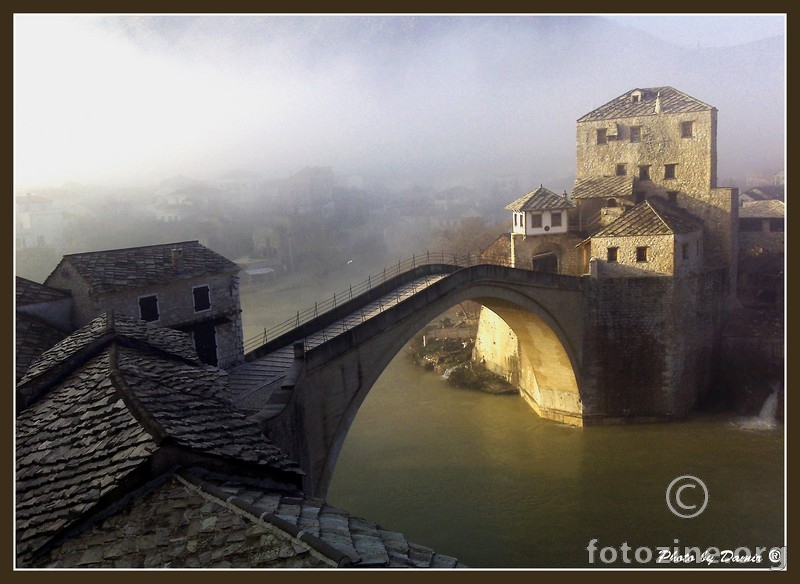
(452, 359)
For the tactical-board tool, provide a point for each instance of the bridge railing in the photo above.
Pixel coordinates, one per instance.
(312, 312)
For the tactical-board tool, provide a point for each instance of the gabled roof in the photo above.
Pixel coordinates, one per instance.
(769, 209)
(670, 99)
(603, 187)
(32, 337)
(30, 292)
(766, 192)
(118, 417)
(98, 333)
(136, 267)
(651, 218)
(541, 199)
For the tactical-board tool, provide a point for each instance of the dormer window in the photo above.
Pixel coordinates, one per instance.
(636, 96)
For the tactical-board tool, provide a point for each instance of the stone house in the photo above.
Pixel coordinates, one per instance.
(762, 225)
(648, 239)
(184, 286)
(130, 455)
(646, 144)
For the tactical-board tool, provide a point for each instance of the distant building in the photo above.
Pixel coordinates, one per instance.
(762, 225)
(39, 222)
(184, 286)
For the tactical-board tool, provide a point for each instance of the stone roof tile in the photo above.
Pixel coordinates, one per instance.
(32, 338)
(137, 267)
(671, 100)
(603, 187)
(651, 218)
(30, 292)
(768, 209)
(541, 199)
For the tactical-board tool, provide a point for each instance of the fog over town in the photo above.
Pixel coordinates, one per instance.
(238, 130)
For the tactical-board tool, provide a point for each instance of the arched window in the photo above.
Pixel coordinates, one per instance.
(611, 203)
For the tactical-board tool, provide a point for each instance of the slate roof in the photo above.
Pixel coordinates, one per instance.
(769, 209)
(541, 199)
(137, 267)
(30, 292)
(765, 192)
(349, 540)
(119, 415)
(99, 331)
(120, 422)
(651, 218)
(603, 187)
(672, 102)
(32, 337)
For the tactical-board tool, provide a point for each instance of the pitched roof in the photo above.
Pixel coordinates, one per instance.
(541, 199)
(30, 292)
(769, 209)
(32, 338)
(136, 267)
(766, 192)
(98, 332)
(351, 541)
(671, 101)
(651, 218)
(114, 419)
(603, 187)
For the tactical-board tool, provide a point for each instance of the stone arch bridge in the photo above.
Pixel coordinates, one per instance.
(307, 385)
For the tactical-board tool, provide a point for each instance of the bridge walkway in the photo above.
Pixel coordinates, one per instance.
(263, 386)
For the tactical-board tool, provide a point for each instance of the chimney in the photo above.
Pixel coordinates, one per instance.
(658, 103)
(177, 258)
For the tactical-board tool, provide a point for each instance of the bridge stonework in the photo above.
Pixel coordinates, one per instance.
(581, 350)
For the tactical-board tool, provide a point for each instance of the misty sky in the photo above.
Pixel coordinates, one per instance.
(134, 99)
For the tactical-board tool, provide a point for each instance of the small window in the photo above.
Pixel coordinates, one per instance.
(601, 136)
(536, 219)
(644, 172)
(669, 170)
(749, 224)
(636, 133)
(776, 225)
(611, 203)
(672, 196)
(611, 254)
(685, 251)
(148, 308)
(515, 219)
(622, 170)
(641, 253)
(555, 219)
(687, 129)
(202, 298)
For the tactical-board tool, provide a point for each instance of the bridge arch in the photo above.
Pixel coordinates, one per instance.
(339, 376)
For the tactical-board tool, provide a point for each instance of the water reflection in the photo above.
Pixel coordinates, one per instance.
(482, 478)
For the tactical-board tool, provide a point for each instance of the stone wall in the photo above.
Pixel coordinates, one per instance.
(660, 144)
(523, 250)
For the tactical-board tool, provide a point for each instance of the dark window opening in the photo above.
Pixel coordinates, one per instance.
(611, 254)
(644, 172)
(148, 308)
(636, 133)
(776, 224)
(621, 170)
(669, 170)
(672, 196)
(205, 343)
(685, 251)
(555, 219)
(641, 254)
(536, 220)
(686, 129)
(697, 251)
(601, 136)
(611, 203)
(202, 298)
(748, 224)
